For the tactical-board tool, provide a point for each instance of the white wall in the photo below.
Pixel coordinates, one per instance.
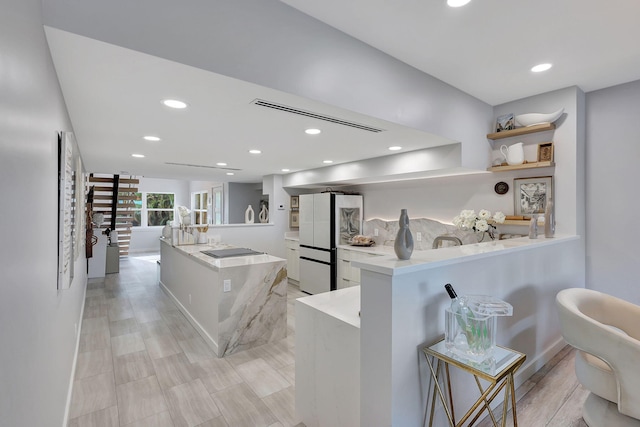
(443, 198)
(569, 152)
(37, 321)
(613, 152)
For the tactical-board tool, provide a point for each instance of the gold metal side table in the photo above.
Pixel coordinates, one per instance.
(499, 374)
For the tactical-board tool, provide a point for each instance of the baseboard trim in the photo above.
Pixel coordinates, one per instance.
(534, 365)
(208, 339)
(67, 409)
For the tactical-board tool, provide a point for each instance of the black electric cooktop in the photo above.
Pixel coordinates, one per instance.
(228, 253)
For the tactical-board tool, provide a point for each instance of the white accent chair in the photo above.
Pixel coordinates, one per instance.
(606, 332)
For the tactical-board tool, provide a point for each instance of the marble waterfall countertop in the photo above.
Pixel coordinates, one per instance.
(195, 251)
(235, 303)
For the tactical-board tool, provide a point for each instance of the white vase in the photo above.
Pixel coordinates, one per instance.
(249, 215)
(263, 216)
(531, 119)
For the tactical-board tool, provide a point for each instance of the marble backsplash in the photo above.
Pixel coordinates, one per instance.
(429, 229)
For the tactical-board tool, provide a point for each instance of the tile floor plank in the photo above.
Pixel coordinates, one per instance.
(162, 346)
(261, 377)
(94, 362)
(140, 399)
(102, 418)
(281, 404)
(190, 404)
(174, 370)
(126, 313)
(128, 343)
(216, 374)
(92, 394)
(132, 366)
(163, 419)
(242, 408)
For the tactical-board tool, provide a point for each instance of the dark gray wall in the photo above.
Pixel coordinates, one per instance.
(37, 322)
(612, 159)
(240, 197)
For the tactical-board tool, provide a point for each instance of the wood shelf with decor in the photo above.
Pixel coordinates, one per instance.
(521, 131)
(519, 222)
(530, 165)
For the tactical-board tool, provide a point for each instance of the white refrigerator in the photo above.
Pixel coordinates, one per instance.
(326, 221)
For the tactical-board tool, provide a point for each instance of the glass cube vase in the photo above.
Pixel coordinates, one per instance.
(474, 338)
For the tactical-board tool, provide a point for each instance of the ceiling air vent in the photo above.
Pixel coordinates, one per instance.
(201, 166)
(287, 109)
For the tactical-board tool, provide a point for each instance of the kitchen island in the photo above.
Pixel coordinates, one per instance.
(235, 303)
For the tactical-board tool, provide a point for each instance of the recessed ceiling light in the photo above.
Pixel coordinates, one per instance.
(285, 170)
(137, 155)
(255, 151)
(457, 3)
(541, 67)
(312, 131)
(174, 103)
(327, 161)
(151, 138)
(221, 164)
(230, 173)
(395, 148)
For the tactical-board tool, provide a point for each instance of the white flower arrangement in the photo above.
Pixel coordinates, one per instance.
(481, 222)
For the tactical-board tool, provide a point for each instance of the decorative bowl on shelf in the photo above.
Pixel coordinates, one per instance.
(531, 119)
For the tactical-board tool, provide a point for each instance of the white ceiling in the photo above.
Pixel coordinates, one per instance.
(486, 49)
(114, 98)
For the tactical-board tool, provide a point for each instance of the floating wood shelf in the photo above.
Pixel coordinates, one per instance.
(519, 222)
(531, 165)
(521, 131)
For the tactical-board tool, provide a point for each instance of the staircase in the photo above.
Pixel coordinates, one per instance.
(114, 197)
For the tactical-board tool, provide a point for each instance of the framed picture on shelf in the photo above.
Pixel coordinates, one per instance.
(505, 122)
(295, 202)
(531, 195)
(294, 219)
(545, 152)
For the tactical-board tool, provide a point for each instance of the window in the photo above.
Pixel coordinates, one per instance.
(199, 206)
(153, 209)
(216, 204)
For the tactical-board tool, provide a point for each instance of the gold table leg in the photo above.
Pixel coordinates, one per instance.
(436, 387)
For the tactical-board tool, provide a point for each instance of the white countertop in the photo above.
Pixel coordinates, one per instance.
(343, 304)
(292, 235)
(378, 250)
(195, 251)
(433, 258)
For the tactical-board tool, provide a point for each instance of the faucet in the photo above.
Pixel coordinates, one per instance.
(438, 240)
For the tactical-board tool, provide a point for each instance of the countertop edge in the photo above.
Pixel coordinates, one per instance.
(211, 263)
(326, 303)
(434, 258)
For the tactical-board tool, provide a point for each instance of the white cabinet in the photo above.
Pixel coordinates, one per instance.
(293, 259)
(347, 274)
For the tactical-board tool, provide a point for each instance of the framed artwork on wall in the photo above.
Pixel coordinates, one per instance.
(531, 195)
(66, 209)
(295, 202)
(294, 219)
(505, 122)
(545, 152)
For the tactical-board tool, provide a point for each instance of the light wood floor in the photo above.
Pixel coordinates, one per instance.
(141, 363)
